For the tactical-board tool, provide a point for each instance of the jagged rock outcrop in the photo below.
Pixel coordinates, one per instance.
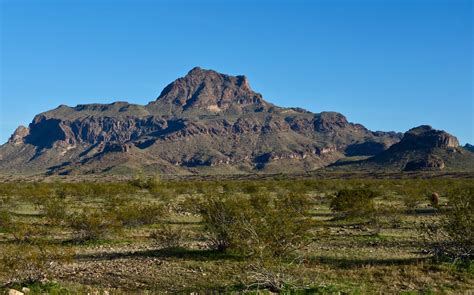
(18, 137)
(207, 90)
(203, 120)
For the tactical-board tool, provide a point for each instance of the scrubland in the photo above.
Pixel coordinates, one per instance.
(316, 236)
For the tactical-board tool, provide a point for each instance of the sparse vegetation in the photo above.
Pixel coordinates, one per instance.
(282, 235)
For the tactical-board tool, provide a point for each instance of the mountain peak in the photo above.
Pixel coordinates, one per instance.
(425, 136)
(198, 70)
(210, 91)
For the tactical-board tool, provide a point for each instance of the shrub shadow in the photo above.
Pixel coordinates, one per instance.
(179, 253)
(347, 263)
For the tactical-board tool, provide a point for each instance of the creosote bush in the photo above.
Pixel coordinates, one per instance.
(132, 214)
(354, 202)
(452, 238)
(30, 262)
(93, 224)
(21, 231)
(54, 209)
(459, 223)
(168, 237)
(143, 182)
(257, 225)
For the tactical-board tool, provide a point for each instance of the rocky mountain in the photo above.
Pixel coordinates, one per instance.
(421, 148)
(205, 122)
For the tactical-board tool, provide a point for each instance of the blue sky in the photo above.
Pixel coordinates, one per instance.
(390, 65)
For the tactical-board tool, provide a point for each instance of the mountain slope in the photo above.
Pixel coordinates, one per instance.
(205, 122)
(421, 149)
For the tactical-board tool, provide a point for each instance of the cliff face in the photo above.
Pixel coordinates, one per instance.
(426, 137)
(205, 119)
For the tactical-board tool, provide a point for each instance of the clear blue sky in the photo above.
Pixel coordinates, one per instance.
(390, 65)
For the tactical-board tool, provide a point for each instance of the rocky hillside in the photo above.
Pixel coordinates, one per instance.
(205, 122)
(421, 148)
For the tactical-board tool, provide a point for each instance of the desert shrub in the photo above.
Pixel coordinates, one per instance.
(219, 216)
(23, 232)
(250, 187)
(30, 262)
(453, 237)
(143, 182)
(55, 209)
(256, 225)
(93, 224)
(281, 277)
(5, 220)
(168, 237)
(135, 214)
(20, 231)
(459, 223)
(413, 193)
(354, 202)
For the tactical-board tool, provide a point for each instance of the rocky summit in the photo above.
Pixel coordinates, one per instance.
(205, 122)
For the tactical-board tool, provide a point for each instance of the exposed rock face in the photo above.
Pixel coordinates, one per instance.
(429, 163)
(427, 137)
(18, 137)
(205, 119)
(208, 90)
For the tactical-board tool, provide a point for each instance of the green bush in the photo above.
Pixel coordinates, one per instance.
(142, 182)
(136, 214)
(21, 231)
(168, 237)
(54, 209)
(30, 262)
(452, 238)
(413, 193)
(459, 222)
(93, 224)
(354, 202)
(257, 225)
(220, 215)
(5, 220)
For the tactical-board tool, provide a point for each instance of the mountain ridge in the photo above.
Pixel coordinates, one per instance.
(204, 122)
